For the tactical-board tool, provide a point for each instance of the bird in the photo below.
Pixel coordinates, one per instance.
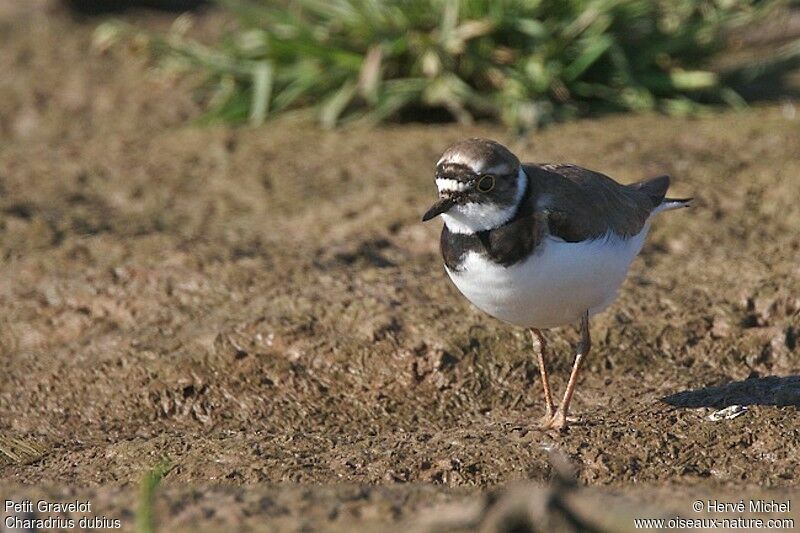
(540, 246)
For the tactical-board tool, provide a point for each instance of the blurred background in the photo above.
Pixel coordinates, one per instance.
(213, 275)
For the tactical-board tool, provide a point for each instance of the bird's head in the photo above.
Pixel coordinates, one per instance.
(480, 185)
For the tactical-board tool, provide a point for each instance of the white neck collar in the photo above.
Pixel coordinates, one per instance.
(474, 217)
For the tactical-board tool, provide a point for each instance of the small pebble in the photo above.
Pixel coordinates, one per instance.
(720, 328)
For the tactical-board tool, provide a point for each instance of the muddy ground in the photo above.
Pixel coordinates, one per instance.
(261, 311)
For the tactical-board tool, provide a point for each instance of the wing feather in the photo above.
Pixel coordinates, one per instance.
(581, 204)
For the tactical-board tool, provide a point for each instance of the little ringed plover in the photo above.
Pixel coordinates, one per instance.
(540, 245)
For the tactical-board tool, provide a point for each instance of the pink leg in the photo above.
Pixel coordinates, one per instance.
(559, 420)
(538, 338)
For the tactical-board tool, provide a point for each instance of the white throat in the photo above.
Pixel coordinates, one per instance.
(474, 217)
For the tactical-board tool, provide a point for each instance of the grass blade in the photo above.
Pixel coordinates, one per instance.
(147, 490)
(262, 91)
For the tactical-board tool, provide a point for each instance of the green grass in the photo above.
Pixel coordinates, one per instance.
(145, 522)
(524, 63)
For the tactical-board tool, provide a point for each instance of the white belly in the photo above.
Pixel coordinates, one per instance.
(555, 285)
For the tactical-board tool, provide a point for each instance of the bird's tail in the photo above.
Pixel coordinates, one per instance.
(656, 189)
(672, 203)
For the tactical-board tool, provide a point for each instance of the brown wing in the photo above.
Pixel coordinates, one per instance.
(580, 204)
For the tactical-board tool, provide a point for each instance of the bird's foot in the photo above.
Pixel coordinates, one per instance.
(548, 416)
(557, 421)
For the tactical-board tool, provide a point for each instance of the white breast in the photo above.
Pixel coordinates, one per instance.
(552, 287)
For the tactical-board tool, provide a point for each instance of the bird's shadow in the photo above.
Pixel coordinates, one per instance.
(768, 390)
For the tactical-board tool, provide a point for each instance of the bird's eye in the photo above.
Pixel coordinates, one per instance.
(486, 183)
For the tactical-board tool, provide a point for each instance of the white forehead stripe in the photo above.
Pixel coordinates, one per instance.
(459, 158)
(449, 185)
(475, 166)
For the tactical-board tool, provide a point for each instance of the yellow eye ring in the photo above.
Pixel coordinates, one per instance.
(486, 183)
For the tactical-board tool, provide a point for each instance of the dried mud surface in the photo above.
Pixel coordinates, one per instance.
(262, 311)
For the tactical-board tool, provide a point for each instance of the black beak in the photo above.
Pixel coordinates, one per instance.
(442, 206)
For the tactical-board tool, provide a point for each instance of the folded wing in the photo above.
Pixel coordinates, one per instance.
(580, 204)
